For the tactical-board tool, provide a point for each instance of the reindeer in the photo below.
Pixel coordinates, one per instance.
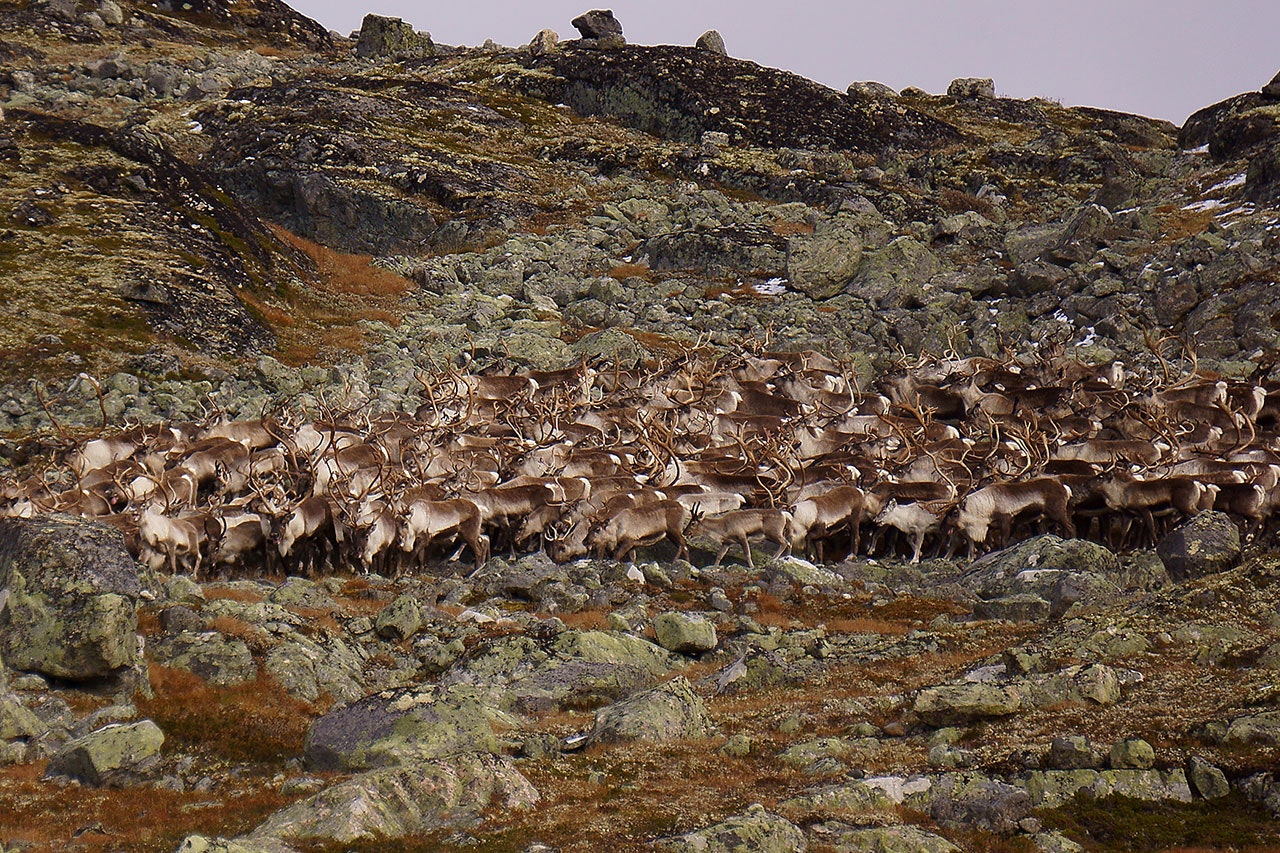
(816, 518)
(427, 521)
(1001, 503)
(643, 525)
(739, 525)
(914, 519)
(176, 539)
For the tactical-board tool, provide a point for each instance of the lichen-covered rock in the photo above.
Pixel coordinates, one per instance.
(671, 711)
(113, 755)
(385, 730)
(972, 87)
(1072, 752)
(961, 704)
(546, 41)
(756, 830)
(1206, 544)
(399, 620)
(1132, 754)
(399, 801)
(311, 668)
(894, 276)
(601, 647)
(1050, 788)
(878, 792)
(974, 800)
(1254, 730)
(214, 657)
(881, 839)
(68, 598)
(391, 38)
(1207, 779)
(598, 24)
(820, 265)
(680, 632)
(203, 844)
(1061, 572)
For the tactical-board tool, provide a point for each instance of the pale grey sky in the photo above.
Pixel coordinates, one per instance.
(1162, 58)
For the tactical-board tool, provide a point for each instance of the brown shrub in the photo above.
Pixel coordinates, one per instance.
(958, 201)
(255, 722)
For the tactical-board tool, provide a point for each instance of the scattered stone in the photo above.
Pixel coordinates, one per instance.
(113, 755)
(1208, 543)
(869, 89)
(68, 598)
(680, 632)
(1207, 780)
(671, 711)
(1072, 752)
(1132, 754)
(399, 620)
(712, 40)
(756, 830)
(972, 87)
(544, 43)
(391, 38)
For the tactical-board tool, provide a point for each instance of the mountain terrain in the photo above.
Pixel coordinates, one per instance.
(1022, 355)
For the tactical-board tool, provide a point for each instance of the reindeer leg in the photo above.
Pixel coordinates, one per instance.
(724, 549)
(916, 546)
(746, 550)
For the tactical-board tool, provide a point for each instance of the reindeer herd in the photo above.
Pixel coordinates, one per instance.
(940, 455)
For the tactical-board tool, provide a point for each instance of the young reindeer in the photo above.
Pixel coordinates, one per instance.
(740, 525)
(914, 519)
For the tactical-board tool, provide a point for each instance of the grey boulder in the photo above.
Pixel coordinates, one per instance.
(712, 40)
(68, 598)
(671, 711)
(1208, 543)
(113, 755)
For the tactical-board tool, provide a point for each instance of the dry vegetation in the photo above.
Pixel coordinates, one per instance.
(320, 319)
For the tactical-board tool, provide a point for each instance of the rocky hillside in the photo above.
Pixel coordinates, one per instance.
(221, 222)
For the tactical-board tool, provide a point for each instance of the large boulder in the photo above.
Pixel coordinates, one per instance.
(756, 830)
(411, 800)
(671, 711)
(385, 730)
(894, 276)
(113, 755)
(1058, 572)
(391, 38)
(961, 704)
(68, 598)
(599, 24)
(1205, 544)
(820, 265)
